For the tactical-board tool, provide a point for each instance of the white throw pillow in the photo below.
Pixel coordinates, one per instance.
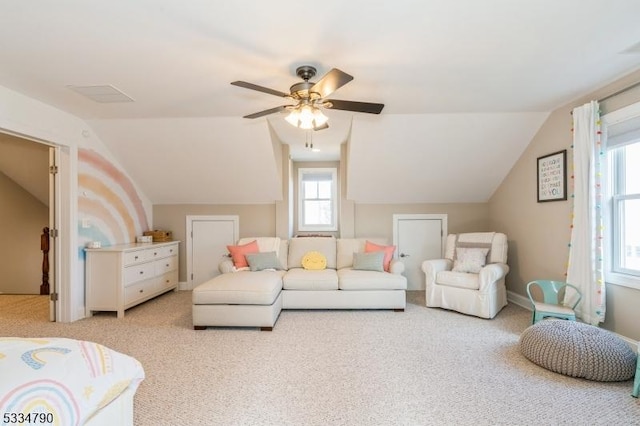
(470, 260)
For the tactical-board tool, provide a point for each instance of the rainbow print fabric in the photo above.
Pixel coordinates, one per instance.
(67, 380)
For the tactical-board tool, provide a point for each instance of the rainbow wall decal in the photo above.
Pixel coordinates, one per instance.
(43, 396)
(109, 201)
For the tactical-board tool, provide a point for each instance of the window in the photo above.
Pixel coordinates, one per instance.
(623, 193)
(626, 209)
(317, 199)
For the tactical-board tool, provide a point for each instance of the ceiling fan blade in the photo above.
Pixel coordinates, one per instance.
(330, 82)
(324, 126)
(265, 112)
(259, 88)
(367, 107)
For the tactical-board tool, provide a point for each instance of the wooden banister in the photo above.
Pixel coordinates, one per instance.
(44, 246)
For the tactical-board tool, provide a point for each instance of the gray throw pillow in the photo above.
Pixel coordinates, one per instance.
(261, 261)
(373, 261)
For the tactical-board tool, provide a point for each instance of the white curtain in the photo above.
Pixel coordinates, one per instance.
(586, 265)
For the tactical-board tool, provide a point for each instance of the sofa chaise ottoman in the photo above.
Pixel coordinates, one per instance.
(241, 299)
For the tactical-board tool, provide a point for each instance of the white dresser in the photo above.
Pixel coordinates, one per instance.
(121, 276)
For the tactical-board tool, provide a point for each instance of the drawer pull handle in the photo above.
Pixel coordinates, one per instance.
(135, 258)
(167, 281)
(141, 291)
(155, 253)
(141, 272)
(167, 265)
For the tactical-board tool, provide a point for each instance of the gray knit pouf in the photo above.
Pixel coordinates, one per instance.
(578, 350)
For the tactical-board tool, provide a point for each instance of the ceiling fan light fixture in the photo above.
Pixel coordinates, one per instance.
(293, 117)
(319, 117)
(306, 117)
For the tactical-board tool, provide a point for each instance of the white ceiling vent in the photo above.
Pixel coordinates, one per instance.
(103, 94)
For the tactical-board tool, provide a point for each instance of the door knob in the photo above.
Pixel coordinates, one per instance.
(404, 255)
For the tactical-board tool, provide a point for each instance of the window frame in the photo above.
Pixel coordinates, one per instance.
(302, 225)
(616, 267)
(614, 273)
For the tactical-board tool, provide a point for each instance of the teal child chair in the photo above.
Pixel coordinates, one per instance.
(552, 304)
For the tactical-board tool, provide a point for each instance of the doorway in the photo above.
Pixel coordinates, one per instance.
(28, 192)
(418, 237)
(207, 241)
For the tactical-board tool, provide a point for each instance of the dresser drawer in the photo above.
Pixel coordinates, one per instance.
(166, 265)
(160, 252)
(137, 256)
(168, 280)
(140, 290)
(167, 251)
(137, 273)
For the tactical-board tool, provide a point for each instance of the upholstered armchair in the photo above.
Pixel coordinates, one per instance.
(470, 279)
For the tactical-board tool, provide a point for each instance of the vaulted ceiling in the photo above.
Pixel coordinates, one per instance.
(466, 84)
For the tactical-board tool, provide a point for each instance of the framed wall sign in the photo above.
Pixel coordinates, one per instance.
(552, 177)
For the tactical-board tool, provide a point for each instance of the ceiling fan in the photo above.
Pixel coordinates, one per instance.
(310, 97)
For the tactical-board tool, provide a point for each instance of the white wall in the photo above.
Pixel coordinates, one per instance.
(435, 158)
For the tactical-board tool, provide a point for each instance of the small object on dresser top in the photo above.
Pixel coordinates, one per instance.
(144, 239)
(159, 235)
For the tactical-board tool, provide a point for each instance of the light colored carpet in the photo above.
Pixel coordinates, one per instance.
(419, 367)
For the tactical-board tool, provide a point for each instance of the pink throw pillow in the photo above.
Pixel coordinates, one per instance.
(388, 252)
(238, 253)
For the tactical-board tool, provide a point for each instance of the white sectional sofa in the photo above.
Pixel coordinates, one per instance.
(246, 298)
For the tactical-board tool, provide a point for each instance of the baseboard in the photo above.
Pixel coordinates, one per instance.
(80, 314)
(634, 345)
(524, 302)
(519, 300)
(183, 285)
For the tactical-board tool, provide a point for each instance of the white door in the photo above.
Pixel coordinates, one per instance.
(418, 237)
(207, 241)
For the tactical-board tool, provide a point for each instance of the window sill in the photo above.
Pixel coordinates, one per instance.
(623, 280)
(317, 229)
